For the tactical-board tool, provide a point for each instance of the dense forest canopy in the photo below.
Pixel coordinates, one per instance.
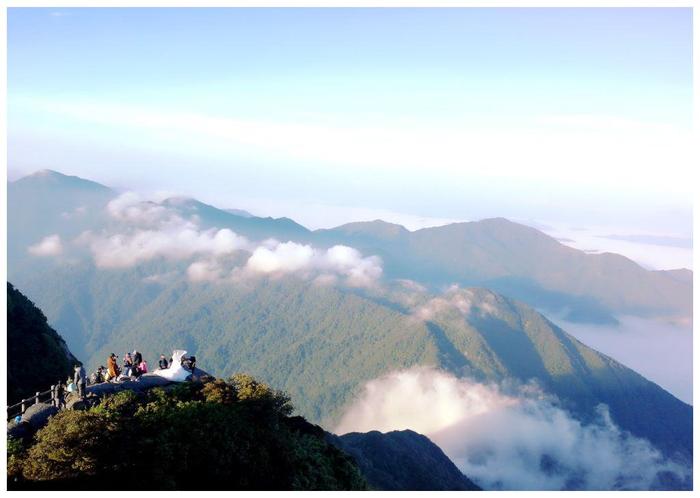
(37, 356)
(233, 434)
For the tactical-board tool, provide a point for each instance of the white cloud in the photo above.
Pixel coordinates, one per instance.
(518, 440)
(150, 230)
(587, 144)
(48, 246)
(659, 350)
(123, 250)
(411, 285)
(204, 271)
(653, 256)
(452, 299)
(284, 258)
(291, 257)
(360, 271)
(132, 208)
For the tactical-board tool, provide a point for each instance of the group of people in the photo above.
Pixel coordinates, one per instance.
(187, 362)
(132, 367)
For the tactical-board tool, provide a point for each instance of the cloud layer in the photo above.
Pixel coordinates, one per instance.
(454, 299)
(660, 351)
(145, 230)
(325, 265)
(503, 440)
(123, 250)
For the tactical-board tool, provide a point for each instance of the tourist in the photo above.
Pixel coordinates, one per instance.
(188, 363)
(127, 364)
(80, 379)
(98, 375)
(163, 362)
(112, 367)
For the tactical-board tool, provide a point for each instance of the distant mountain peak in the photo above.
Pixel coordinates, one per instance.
(50, 173)
(180, 200)
(376, 228)
(499, 220)
(46, 172)
(53, 177)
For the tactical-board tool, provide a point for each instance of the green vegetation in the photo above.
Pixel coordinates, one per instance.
(403, 460)
(37, 356)
(520, 262)
(321, 344)
(211, 435)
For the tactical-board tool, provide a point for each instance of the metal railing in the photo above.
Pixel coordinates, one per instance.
(21, 407)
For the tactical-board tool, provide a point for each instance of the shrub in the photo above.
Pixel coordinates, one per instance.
(248, 388)
(211, 435)
(72, 444)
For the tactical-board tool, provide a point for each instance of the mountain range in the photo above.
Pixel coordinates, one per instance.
(513, 259)
(321, 336)
(304, 457)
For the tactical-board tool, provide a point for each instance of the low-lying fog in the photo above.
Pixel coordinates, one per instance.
(660, 351)
(507, 437)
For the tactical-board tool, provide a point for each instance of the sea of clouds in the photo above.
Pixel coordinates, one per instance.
(508, 437)
(660, 350)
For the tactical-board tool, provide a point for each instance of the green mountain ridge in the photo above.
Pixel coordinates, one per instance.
(322, 344)
(260, 445)
(524, 263)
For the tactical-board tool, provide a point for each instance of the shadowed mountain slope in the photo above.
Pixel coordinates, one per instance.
(37, 357)
(402, 460)
(521, 262)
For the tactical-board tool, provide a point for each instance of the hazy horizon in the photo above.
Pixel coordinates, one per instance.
(416, 116)
(653, 251)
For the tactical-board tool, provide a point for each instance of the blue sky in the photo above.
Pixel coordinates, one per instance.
(446, 62)
(574, 116)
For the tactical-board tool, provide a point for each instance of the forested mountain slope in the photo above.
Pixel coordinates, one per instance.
(37, 356)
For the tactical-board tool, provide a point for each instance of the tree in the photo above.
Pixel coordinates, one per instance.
(205, 435)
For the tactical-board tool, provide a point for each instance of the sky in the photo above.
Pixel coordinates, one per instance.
(564, 117)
